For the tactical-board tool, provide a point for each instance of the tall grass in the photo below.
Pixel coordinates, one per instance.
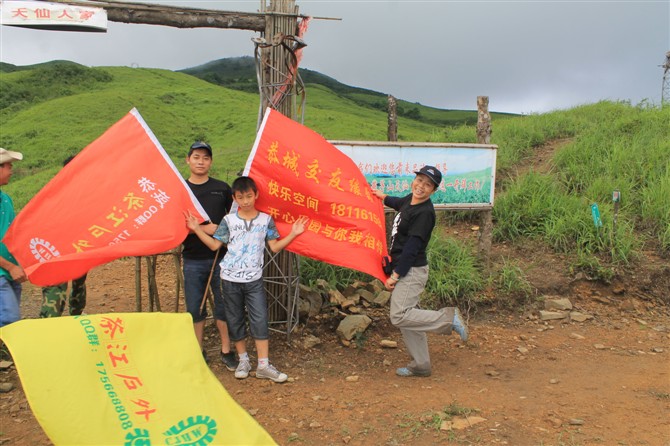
(455, 277)
(313, 270)
(615, 147)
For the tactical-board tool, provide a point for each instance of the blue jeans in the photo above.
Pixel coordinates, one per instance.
(252, 296)
(196, 273)
(10, 301)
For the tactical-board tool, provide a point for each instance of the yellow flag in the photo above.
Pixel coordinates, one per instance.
(125, 379)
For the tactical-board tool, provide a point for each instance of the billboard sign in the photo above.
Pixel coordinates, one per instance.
(468, 170)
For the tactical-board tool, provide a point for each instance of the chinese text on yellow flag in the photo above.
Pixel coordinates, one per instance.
(125, 379)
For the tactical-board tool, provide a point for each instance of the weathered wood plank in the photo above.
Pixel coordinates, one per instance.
(173, 16)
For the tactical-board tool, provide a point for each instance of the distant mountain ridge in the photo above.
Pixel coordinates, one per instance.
(239, 73)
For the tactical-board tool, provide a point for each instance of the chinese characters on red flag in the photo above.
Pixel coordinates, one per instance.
(299, 173)
(121, 196)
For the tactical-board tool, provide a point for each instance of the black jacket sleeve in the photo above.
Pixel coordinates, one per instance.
(393, 202)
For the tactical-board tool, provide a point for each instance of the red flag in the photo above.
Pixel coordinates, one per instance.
(298, 173)
(121, 196)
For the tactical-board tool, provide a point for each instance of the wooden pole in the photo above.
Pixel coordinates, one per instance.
(392, 135)
(173, 16)
(138, 284)
(180, 278)
(281, 281)
(151, 280)
(392, 119)
(485, 217)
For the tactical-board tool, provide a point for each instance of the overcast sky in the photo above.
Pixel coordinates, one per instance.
(527, 56)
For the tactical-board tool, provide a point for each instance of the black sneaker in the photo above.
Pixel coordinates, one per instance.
(229, 361)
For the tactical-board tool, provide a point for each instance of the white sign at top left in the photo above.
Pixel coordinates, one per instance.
(52, 16)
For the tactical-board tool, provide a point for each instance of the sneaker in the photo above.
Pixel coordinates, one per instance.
(407, 372)
(458, 325)
(243, 369)
(230, 361)
(270, 372)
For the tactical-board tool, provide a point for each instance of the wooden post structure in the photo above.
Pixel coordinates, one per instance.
(138, 284)
(392, 135)
(486, 216)
(277, 88)
(173, 16)
(392, 119)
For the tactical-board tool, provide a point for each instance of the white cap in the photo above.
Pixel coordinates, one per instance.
(7, 156)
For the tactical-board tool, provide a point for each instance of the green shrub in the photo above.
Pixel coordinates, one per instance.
(454, 274)
(512, 286)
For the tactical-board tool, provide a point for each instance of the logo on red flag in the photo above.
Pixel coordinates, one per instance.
(121, 196)
(299, 173)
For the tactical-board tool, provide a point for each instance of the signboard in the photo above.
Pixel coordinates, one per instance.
(468, 170)
(52, 16)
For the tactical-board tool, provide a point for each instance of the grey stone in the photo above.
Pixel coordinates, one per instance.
(315, 303)
(579, 317)
(311, 341)
(551, 315)
(303, 308)
(335, 297)
(353, 324)
(558, 304)
(366, 295)
(382, 298)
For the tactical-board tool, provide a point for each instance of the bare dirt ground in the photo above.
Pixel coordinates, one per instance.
(604, 381)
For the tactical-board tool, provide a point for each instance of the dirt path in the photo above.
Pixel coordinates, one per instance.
(605, 381)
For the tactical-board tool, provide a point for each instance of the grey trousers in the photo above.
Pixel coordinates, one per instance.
(414, 322)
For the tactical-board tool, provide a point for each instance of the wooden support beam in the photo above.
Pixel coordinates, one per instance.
(485, 217)
(173, 16)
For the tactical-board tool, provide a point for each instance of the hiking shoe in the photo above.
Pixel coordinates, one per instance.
(243, 369)
(458, 325)
(230, 361)
(407, 372)
(270, 372)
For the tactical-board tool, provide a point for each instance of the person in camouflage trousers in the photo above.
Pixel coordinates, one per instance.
(53, 298)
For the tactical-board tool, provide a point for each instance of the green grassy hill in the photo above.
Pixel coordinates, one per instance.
(239, 73)
(53, 110)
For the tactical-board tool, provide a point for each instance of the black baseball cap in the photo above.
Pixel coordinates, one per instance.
(432, 173)
(200, 145)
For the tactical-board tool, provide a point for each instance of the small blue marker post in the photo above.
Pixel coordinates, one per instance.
(616, 199)
(595, 212)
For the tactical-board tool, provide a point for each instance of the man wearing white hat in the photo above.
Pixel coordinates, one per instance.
(11, 274)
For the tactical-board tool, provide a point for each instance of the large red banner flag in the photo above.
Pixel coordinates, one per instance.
(299, 173)
(120, 196)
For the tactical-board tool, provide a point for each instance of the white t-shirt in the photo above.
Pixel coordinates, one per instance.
(245, 240)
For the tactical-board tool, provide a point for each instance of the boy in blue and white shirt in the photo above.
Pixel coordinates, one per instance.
(245, 233)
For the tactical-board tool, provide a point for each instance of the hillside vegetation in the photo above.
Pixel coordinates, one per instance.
(239, 73)
(53, 110)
